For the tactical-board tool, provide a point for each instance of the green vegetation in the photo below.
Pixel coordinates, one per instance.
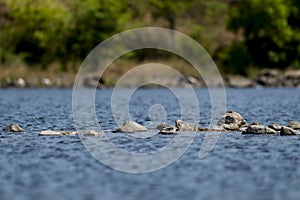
(241, 35)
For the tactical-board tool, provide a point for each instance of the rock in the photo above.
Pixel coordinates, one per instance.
(93, 81)
(270, 78)
(46, 82)
(56, 133)
(240, 82)
(181, 126)
(258, 129)
(20, 82)
(166, 129)
(203, 129)
(275, 127)
(13, 128)
(91, 133)
(285, 131)
(130, 127)
(291, 78)
(294, 125)
(231, 121)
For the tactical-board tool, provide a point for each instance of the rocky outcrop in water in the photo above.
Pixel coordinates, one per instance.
(230, 121)
(256, 128)
(131, 127)
(287, 131)
(13, 128)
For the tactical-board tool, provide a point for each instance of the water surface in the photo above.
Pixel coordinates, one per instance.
(239, 167)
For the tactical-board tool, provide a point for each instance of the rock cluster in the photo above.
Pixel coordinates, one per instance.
(230, 122)
(277, 78)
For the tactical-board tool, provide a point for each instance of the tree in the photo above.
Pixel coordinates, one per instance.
(270, 33)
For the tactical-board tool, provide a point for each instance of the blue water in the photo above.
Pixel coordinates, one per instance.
(239, 167)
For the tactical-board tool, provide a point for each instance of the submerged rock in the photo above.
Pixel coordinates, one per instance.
(286, 131)
(294, 125)
(56, 133)
(166, 129)
(181, 126)
(231, 121)
(13, 128)
(275, 127)
(258, 129)
(130, 127)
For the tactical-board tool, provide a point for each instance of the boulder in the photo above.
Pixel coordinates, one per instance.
(239, 82)
(294, 125)
(275, 127)
(287, 131)
(231, 121)
(270, 78)
(291, 78)
(13, 128)
(131, 127)
(258, 129)
(166, 129)
(56, 133)
(181, 126)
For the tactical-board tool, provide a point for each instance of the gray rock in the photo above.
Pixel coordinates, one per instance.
(13, 128)
(56, 133)
(131, 127)
(287, 131)
(294, 125)
(181, 126)
(258, 129)
(275, 127)
(231, 121)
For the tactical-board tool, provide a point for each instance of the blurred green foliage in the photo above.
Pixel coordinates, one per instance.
(270, 30)
(239, 34)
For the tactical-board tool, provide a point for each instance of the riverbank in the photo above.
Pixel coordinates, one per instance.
(54, 79)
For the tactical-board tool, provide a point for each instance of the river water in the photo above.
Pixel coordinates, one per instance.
(239, 166)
